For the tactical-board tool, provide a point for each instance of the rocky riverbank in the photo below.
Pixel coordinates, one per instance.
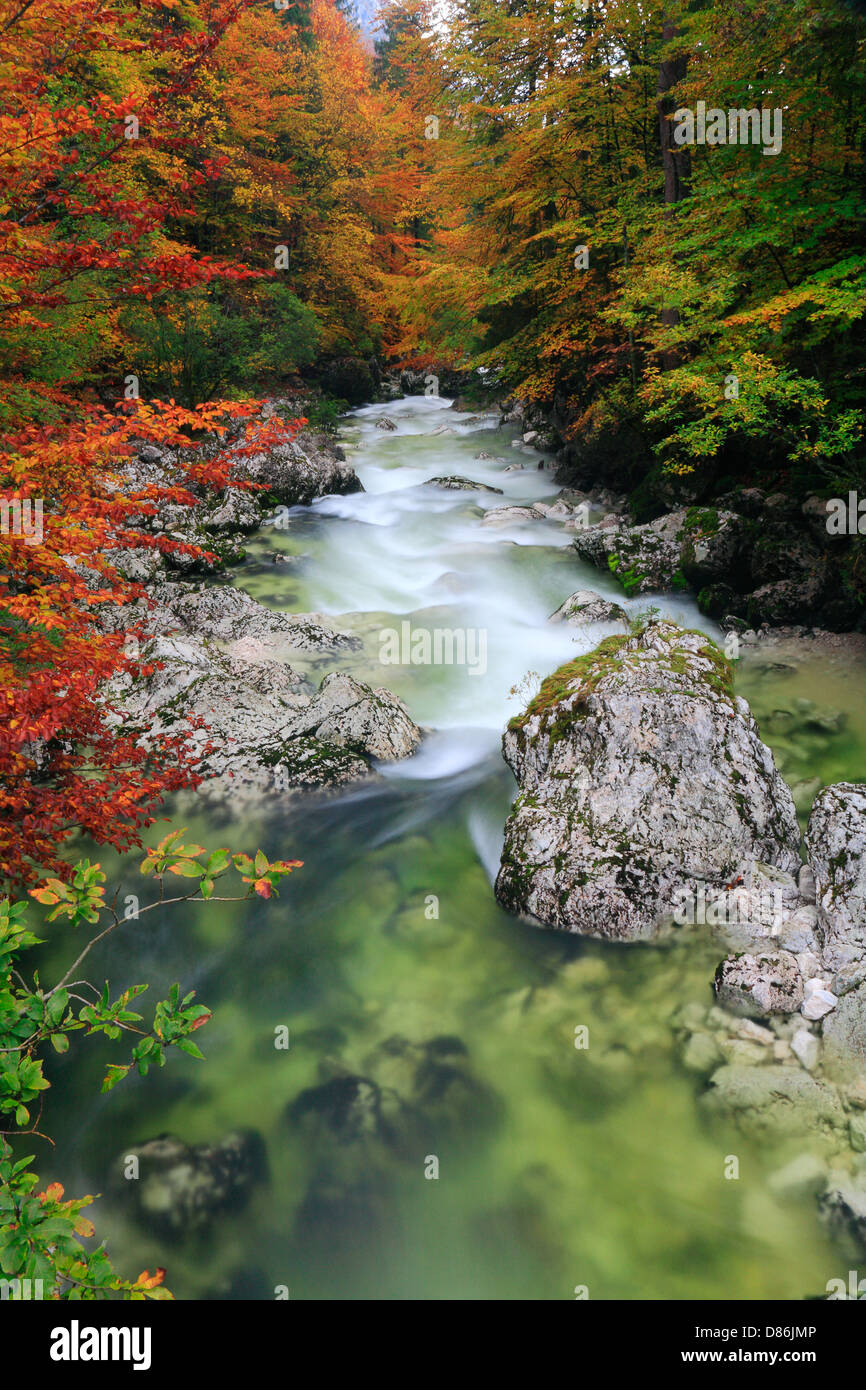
(767, 557)
(216, 664)
(648, 806)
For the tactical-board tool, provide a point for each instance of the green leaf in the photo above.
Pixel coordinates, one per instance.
(113, 1075)
(186, 868)
(60, 1042)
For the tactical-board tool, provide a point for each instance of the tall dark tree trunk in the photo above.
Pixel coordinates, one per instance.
(676, 160)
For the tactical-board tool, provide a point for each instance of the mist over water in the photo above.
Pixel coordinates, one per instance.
(575, 1167)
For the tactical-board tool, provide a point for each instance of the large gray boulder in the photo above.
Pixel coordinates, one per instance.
(297, 472)
(640, 775)
(643, 558)
(836, 844)
(254, 725)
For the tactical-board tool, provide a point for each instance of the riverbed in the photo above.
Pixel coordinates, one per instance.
(589, 1168)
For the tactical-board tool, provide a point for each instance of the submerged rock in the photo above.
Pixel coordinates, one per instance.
(775, 1100)
(182, 1188)
(843, 1210)
(362, 1130)
(640, 775)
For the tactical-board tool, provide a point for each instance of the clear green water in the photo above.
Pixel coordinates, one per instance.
(597, 1168)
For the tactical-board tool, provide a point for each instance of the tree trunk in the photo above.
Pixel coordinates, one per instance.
(676, 160)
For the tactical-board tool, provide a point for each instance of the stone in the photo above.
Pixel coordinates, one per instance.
(701, 1054)
(844, 1029)
(262, 731)
(639, 776)
(506, 516)
(774, 1101)
(836, 845)
(759, 985)
(843, 1210)
(458, 484)
(806, 1048)
(181, 1188)
(586, 606)
(818, 1003)
(643, 558)
(857, 1133)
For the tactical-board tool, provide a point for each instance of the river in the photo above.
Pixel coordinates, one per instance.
(594, 1168)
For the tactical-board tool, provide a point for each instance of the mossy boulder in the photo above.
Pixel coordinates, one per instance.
(640, 773)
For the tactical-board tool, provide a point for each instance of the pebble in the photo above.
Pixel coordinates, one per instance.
(855, 1093)
(753, 1032)
(818, 1003)
(809, 966)
(857, 1133)
(806, 1047)
(803, 1176)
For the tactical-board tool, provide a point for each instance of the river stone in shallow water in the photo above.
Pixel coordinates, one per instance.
(586, 606)
(458, 484)
(770, 1101)
(182, 1188)
(639, 774)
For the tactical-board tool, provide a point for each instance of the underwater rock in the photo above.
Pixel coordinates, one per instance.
(182, 1188)
(773, 1100)
(640, 775)
(843, 1211)
(435, 1079)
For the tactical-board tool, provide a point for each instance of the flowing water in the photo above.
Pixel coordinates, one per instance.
(565, 1166)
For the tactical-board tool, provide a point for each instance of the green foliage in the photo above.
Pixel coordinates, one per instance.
(210, 345)
(41, 1235)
